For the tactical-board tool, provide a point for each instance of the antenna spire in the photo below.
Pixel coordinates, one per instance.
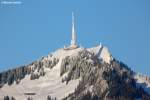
(73, 40)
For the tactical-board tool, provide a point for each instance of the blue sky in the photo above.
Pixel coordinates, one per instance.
(35, 28)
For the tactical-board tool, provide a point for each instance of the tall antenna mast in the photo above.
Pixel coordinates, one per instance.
(73, 40)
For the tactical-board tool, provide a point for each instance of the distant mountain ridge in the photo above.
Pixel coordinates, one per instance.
(77, 74)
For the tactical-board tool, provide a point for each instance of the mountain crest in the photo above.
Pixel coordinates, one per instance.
(74, 73)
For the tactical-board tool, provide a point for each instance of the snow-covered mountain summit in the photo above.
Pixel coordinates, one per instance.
(73, 74)
(15, 84)
(100, 51)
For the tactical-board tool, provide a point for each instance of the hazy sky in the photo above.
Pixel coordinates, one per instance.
(35, 28)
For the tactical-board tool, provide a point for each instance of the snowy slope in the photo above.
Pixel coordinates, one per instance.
(51, 84)
(102, 53)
